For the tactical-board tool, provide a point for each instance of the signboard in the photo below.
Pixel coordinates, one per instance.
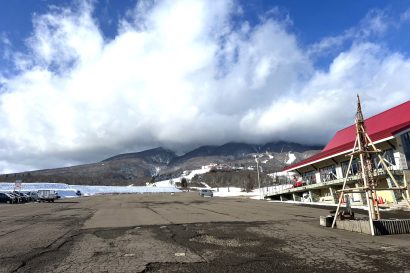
(17, 185)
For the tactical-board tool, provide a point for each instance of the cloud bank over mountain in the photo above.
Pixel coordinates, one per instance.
(180, 74)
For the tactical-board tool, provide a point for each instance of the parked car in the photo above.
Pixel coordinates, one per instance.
(17, 197)
(24, 197)
(7, 198)
(206, 192)
(47, 195)
(33, 196)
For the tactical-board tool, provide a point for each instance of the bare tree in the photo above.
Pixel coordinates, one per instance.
(184, 183)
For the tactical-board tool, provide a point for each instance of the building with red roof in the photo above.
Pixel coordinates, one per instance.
(318, 178)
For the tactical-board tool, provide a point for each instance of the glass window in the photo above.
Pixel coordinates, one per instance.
(328, 173)
(405, 139)
(309, 177)
(354, 169)
(388, 155)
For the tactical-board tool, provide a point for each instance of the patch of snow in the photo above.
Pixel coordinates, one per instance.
(205, 185)
(264, 161)
(236, 192)
(291, 158)
(166, 183)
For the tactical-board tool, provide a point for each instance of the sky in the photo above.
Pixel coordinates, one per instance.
(84, 80)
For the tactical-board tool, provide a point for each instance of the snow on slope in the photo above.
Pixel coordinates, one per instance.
(186, 174)
(291, 158)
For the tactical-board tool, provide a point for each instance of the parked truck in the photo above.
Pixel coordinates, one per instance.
(47, 195)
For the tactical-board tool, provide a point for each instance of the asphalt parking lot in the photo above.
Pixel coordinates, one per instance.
(186, 233)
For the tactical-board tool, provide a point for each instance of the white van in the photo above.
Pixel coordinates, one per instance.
(206, 192)
(47, 195)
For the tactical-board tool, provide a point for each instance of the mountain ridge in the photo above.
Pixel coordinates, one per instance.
(161, 163)
(227, 149)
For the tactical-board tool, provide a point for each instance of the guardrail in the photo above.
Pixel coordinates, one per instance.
(339, 181)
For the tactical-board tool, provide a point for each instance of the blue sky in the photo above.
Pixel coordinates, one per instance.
(311, 20)
(83, 80)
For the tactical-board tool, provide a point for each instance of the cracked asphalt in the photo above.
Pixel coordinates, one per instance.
(187, 233)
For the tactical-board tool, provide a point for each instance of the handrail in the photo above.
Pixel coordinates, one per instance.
(377, 172)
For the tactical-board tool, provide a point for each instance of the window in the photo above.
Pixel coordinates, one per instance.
(309, 177)
(328, 173)
(405, 139)
(388, 155)
(354, 169)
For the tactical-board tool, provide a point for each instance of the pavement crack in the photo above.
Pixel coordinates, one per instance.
(47, 249)
(150, 267)
(15, 230)
(224, 214)
(160, 215)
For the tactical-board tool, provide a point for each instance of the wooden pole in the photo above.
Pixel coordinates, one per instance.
(375, 200)
(361, 136)
(406, 184)
(344, 184)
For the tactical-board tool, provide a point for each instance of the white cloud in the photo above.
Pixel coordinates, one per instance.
(405, 16)
(179, 74)
(374, 24)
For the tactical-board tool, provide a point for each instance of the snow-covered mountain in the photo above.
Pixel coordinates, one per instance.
(162, 164)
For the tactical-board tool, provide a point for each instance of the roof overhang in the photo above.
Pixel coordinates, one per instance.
(334, 155)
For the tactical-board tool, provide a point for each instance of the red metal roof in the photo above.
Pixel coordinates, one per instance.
(380, 126)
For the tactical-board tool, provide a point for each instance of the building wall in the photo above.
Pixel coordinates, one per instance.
(328, 194)
(388, 196)
(400, 154)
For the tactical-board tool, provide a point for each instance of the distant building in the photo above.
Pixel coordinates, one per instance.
(321, 175)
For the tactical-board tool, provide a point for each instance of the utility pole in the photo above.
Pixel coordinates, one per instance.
(259, 182)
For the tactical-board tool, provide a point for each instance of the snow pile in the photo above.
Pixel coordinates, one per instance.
(232, 192)
(254, 194)
(237, 192)
(65, 190)
(92, 190)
